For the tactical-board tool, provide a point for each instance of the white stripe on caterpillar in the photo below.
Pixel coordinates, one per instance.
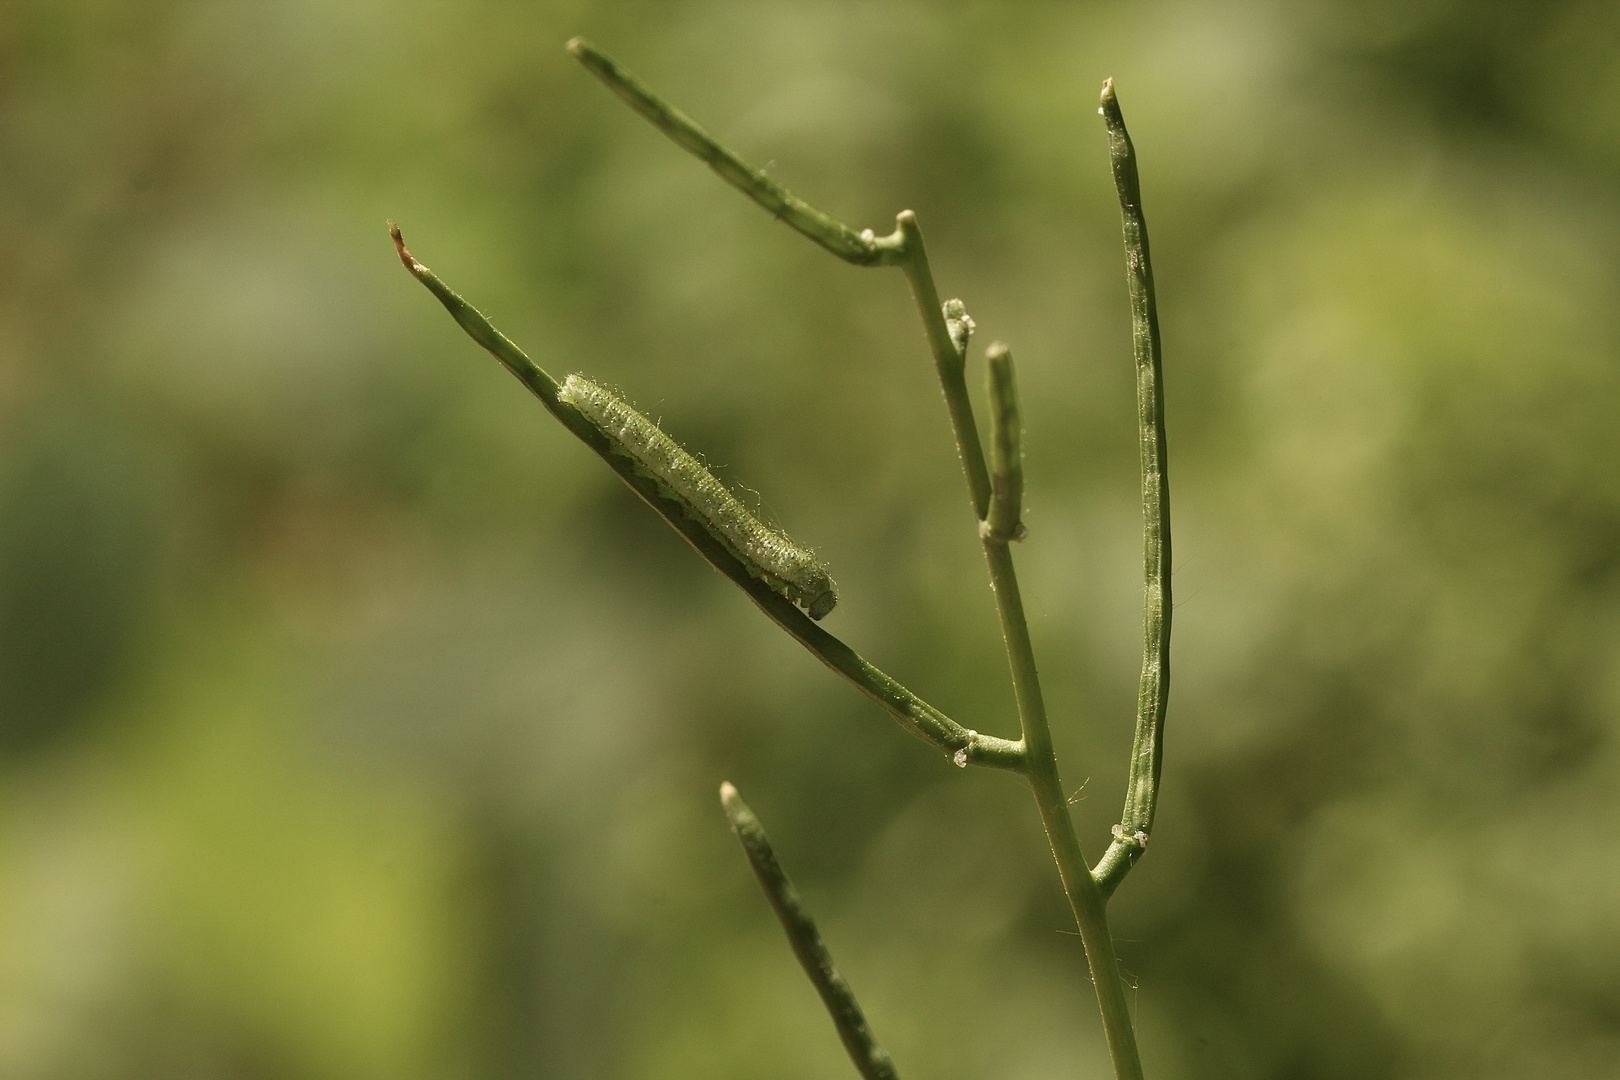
(769, 554)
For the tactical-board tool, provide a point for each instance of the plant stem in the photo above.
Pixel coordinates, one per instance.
(871, 1060)
(962, 745)
(1147, 749)
(862, 249)
(1085, 899)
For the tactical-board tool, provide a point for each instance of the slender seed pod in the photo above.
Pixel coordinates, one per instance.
(768, 553)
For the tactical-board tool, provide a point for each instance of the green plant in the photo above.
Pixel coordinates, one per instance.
(995, 489)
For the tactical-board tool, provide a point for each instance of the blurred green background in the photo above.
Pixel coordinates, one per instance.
(355, 722)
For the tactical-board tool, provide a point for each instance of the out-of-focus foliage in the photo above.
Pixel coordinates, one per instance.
(355, 722)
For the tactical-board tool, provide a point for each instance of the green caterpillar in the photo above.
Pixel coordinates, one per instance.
(769, 555)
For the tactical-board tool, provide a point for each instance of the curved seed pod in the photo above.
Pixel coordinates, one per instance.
(768, 553)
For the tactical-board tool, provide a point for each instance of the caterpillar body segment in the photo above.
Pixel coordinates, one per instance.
(768, 553)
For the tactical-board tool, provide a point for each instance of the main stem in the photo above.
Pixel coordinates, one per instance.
(1040, 762)
(1085, 899)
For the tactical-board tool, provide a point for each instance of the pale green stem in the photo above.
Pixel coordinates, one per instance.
(871, 1060)
(1085, 899)
(1147, 749)
(963, 745)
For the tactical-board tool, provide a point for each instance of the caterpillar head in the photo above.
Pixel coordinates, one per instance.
(817, 592)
